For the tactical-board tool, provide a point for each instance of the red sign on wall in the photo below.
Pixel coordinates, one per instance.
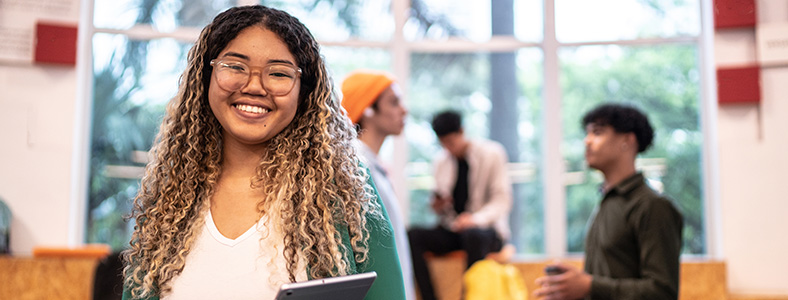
(734, 13)
(739, 85)
(56, 43)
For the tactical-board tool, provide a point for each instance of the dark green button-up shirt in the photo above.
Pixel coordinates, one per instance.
(633, 244)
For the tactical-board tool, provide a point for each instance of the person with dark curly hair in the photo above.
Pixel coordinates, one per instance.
(255, 180)
(633, 244)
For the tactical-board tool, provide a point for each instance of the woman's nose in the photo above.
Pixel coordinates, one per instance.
(255, 85)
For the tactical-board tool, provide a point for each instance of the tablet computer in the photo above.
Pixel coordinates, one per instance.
(349, 287)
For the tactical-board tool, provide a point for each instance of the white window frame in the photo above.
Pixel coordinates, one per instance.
(400, 50)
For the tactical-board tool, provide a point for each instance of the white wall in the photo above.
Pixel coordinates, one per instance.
(37, 130)
(37, 116)
(38, 105)
(753, 152)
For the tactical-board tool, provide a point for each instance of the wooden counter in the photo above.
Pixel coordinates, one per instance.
(23, 278)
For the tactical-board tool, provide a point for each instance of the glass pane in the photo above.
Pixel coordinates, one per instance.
(529, 20)
(133, 81)
(527, 219)
(439, 19)
(342, 60)
(473, 20)
(610, 20)
(163, 15)
(499, 95)
(339, 20)
(664, 82)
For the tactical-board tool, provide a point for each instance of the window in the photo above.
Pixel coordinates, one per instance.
(139, 50)
(523, 72)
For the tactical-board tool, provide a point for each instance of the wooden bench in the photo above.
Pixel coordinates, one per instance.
(700, 280)
(46, 278)
(52, 273)
(454, 263)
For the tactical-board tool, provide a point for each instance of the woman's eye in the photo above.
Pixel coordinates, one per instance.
(280, 74)
(236, 67)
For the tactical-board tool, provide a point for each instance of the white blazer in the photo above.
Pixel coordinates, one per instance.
(489, 185)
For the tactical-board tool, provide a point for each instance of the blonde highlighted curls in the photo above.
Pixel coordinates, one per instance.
(309, 174)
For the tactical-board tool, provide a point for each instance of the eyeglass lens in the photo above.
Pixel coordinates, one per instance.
(277, 79)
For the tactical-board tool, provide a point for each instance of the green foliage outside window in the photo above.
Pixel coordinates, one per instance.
(133, 80)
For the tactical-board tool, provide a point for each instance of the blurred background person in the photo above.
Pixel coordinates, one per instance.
(373, 103)
(472, 197)
(634, 242)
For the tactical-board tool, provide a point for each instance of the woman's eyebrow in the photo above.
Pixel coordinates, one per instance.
(236, 54)
(246, 58)
(281, 61)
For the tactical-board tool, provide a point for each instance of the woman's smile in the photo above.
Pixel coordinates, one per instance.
(251, 109)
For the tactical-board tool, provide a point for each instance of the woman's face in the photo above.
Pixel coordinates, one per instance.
(248, 112)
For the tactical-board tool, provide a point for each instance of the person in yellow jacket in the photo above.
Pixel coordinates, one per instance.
(493, 279)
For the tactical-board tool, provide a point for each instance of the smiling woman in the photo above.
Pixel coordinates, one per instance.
(250, 185)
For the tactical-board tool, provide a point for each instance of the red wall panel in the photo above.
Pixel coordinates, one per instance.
(56, 43)
(734, 13)
(739, 85)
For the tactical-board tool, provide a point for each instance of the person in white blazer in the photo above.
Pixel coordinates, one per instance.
(472, 197)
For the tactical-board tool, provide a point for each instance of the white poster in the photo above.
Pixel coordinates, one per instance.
(773, 44)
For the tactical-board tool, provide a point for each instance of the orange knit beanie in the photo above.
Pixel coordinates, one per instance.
(361, 88)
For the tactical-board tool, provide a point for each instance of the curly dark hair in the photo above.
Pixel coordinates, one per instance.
(306, 173)
(624, 119)
(226, 26)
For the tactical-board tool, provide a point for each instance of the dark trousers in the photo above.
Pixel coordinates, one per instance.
(476, 242)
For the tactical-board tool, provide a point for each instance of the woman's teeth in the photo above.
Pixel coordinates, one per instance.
(251, 109)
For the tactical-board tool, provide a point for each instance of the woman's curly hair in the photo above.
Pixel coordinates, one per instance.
(310, 174)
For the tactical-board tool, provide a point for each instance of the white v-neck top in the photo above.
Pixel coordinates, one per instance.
(251, 266)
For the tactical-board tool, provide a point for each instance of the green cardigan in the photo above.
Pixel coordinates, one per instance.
(382, 258)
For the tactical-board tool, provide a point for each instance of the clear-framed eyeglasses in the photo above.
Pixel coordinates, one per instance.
(278, 79)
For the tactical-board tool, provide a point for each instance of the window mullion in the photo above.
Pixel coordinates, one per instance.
(80, 156)
(400, 51)
(147, 32)
(553, 163)
(710, 153)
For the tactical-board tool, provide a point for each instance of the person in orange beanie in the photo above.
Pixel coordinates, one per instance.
(373, 104)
